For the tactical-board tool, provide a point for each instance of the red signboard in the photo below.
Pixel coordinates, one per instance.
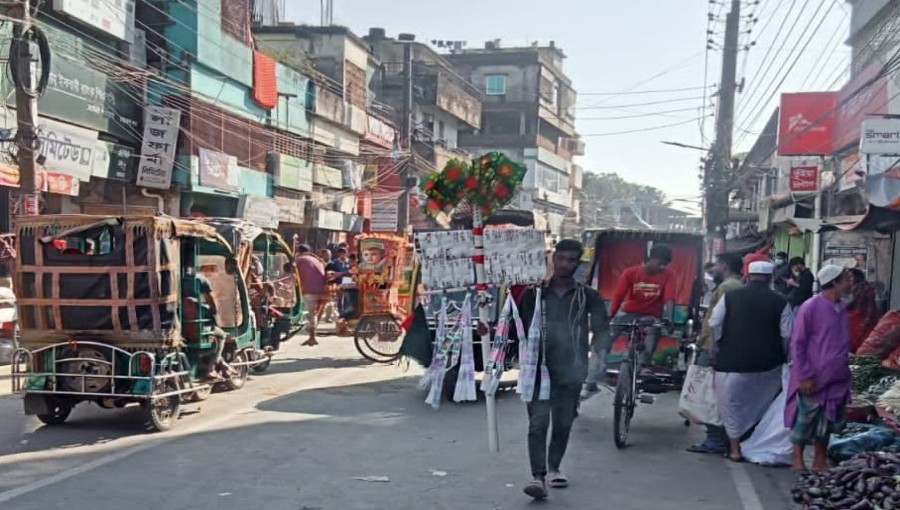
(854, 109)
(806, 124)
(804, 178)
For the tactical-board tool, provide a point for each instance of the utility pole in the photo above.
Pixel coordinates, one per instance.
(406, 130)
(716, 177)
(26, 112)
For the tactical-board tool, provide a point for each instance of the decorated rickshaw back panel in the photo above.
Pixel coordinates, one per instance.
(95, 278)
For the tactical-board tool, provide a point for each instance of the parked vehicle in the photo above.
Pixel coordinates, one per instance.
(8, 330)
(274, 286)
(110, 313)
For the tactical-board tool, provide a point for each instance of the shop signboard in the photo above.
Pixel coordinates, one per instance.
(218, 170)
(328, 177)
(262, 211)
(806, 123)
(804, 177)
(292, 172)
(291, 210)
(115, 17)
(880, 136)
(846, 256)
(59, 183)
(865, 94)
(158, 150)
(329, 220)
(115, 161)
(385, 214)
(81, 95)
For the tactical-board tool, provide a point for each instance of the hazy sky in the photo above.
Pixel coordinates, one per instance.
(636, 45)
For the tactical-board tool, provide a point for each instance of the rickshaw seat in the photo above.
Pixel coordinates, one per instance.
(193, 326)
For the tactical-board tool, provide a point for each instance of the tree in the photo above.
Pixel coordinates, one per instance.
(608, 200)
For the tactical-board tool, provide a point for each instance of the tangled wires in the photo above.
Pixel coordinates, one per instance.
(35, 34)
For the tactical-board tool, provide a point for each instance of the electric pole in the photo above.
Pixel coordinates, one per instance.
(26, 139)
(406, 130)
(718, 169)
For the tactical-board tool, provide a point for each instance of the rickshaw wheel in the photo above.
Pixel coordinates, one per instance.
(201, 395)
(262, 367)
(59, 412)
(161, 413)
(243, 372)
(377, 338)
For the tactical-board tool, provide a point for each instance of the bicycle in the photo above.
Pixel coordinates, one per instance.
(627, 387)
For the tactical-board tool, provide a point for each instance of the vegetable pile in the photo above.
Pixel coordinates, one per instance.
(868, 481)
(866, 371)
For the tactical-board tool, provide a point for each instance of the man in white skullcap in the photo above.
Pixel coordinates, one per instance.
(751, 328)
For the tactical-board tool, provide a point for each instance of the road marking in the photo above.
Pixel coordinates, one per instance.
(746, 491)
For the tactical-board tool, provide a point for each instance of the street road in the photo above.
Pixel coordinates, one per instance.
(301, 435)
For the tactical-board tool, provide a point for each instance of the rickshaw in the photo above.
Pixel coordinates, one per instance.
(384, 289)
(273, 286)
(109, 313)
(612, 252)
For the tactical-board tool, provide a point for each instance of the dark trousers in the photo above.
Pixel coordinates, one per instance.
(561, 410)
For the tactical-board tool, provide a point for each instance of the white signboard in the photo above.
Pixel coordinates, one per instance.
(385, 215)
(880, 136)
(158, 150)
(262, 211)
(446, 259)
(115, 17)
(329, 220)
(515, 256)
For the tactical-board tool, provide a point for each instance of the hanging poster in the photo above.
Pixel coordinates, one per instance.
(218, 170)
(380, 261)
(846, 256)
(515, 256)
(158, 150)
(446, 259)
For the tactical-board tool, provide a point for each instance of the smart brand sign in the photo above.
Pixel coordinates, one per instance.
(880, 136)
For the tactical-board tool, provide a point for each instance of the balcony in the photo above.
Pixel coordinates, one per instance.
(435, 85)
(496, 141)
(437, 155)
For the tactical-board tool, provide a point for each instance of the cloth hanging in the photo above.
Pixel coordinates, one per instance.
(496, 365)
(531, 364)
(465, 382)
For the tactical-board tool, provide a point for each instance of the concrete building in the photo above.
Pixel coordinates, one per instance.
(528, 114)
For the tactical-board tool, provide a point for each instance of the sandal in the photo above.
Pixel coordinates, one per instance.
(536, 489)
(558, 481)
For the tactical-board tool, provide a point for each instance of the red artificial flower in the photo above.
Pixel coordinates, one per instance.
(501, 191)
(434, 206)
(454, 173)
(471, 182)
(487, 209)
(429, 185)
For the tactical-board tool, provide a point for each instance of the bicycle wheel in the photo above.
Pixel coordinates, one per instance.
(378, 338)
(623, 404)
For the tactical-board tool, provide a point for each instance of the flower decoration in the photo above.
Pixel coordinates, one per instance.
(489, 184)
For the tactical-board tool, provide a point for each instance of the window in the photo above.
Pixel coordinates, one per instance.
(495, 84)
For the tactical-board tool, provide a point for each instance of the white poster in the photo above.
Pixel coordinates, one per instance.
(446, 259)
(516, 256)
(158, 150)
(115, 17)
(262, 211)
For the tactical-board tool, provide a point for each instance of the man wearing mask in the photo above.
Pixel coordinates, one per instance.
(800, 283)
(782, 274)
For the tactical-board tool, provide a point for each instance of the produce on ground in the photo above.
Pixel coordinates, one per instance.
(865, 376)
(890, 400)
(868, 481)
(881, 387)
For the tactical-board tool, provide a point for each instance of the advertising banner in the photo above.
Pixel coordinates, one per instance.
(804, 177)
(880, 136)
(218, 170)
(806, 123)
(158, 149)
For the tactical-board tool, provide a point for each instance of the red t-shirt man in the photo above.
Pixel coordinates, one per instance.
(646, 289)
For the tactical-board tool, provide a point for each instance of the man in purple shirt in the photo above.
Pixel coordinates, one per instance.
(820, 373)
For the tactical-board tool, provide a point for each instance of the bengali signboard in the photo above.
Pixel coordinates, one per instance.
(262, 211)
(804, 177)
(158, 150)
(218, 170)
(115, 17)
(846, 256)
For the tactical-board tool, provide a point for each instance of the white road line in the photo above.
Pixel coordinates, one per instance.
(746, 491)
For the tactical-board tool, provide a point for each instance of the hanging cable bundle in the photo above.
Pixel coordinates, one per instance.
(35, 34)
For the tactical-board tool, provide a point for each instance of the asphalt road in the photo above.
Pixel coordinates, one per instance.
(306, 434)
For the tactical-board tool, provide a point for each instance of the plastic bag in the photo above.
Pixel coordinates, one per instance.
(873, 438)
(884, 338)
(698, 401)
(770, 442)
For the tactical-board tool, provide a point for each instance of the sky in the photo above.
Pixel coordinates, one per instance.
(616, 51)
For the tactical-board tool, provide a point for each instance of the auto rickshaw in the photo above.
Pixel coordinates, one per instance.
(109, 313)
(274, 286)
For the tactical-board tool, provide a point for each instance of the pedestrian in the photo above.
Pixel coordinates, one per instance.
(800, 282)
(751, 327)
(782, 274)
(862, 311)
(647, 290)
(570, 312)
(311, 271)
(727, 269)
(820, 372)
